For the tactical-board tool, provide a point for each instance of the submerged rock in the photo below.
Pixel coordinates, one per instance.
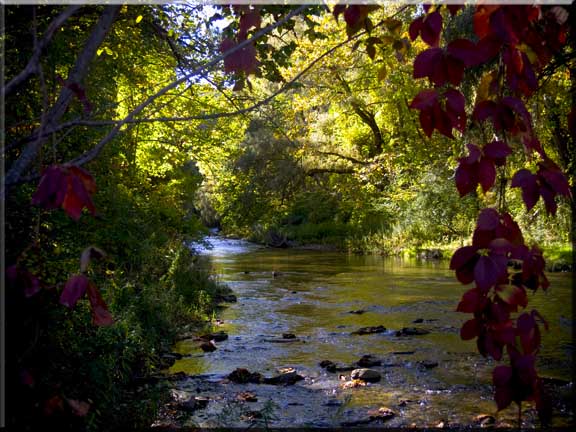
(330, 366)
(283, 340)
(411, 331)
(428, 364)
(244, 376)
(289, 378)
(369, 330)
(368, 375)
(357, 312)
(369, 360)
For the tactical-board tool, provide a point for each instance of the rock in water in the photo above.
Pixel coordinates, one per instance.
(411, 331)
(369, 330)
(284, 379)
(368, 375)
(357, 312)
(369, 360)
(208, 346)
(243, 376)
(428, 364)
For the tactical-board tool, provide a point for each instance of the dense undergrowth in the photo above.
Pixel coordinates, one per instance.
(63, 371)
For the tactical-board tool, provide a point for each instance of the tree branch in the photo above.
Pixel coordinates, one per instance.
(77, 74)
(341, 156)
(32, 66)
(314, 171)
(91, 154)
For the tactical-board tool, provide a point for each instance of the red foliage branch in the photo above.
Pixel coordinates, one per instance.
(524, 39)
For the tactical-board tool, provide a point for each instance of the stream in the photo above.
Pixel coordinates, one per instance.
(427, 380)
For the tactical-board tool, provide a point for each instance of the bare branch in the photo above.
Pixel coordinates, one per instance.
(34, 63)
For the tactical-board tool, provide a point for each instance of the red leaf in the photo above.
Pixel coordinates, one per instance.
(519, 108)
(427, 122)
(75, 198)
(100, 314)
(465, 51)
(338, 9)
(513, 295)
(73, 290)
(427, 61)
(484, 109)
(501, 375)
(482, 19)
(472, 301)
(455, 108)
(500, 246)
(510, 230)
(424, 99)
(554, 177)
(502, 379)
(528, 182)
(488, 219)
(497, 151)
(470, 329)
(474, 153)
(51, 189)
(442, 122)
(464, 261)
(465, 177)
(529, 333)
(501, 25)
(87, 180)
(249, 20)
(487, 271)
(415, 27)
(353, 16)
(548, 196)
(486, 173)
(488, 48)
(431, 28)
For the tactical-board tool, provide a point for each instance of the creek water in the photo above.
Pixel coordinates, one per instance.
(311, 294)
